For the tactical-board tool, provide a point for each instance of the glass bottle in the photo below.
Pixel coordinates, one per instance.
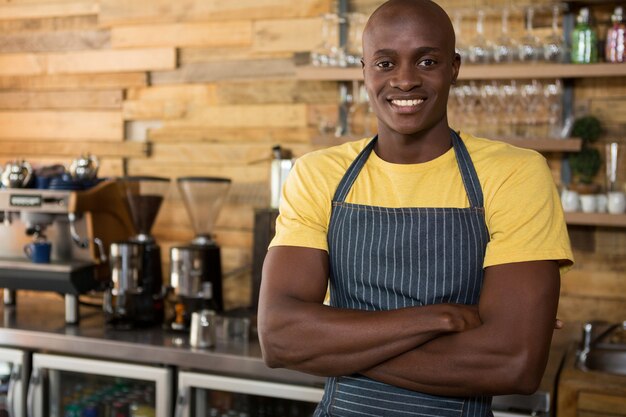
(616, 37)
(584, 38)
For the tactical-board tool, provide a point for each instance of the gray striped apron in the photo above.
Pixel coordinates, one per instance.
(388, 258)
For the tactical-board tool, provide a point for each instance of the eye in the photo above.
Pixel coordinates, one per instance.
(427, 62)
(384, 64)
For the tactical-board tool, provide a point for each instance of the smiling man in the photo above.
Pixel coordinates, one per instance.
(442, 251)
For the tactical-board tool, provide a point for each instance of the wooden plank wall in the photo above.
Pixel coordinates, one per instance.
(210, 85)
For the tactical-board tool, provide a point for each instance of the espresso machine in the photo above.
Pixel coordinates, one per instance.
(135, 295)
(79, 226)
(196, 268)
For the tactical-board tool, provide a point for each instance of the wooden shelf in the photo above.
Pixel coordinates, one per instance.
(596, 219)
(546, 145)
(541, 145)
(483, 72)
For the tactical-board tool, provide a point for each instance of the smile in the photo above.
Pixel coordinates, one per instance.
(407, 103)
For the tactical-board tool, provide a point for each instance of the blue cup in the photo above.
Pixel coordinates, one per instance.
(38, 252)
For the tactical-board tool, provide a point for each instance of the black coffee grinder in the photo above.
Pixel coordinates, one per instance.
(194, 266)
(136, 295)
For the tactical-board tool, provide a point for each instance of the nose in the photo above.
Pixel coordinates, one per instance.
(406, 78)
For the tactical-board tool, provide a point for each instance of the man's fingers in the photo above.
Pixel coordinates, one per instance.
(558, 324)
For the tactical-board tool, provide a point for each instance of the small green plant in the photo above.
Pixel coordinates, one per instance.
(586, 163)
(588, 128)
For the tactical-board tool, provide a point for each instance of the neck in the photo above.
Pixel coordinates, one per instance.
(415, 148)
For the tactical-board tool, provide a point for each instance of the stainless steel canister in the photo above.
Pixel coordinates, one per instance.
(125, 261)
(186, 271)
(203, 333)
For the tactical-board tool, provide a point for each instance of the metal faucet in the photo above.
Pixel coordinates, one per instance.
(589, 339)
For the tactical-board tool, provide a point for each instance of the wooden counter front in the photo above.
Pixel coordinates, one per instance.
(589, 393)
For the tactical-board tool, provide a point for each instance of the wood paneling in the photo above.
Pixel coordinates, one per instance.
(274, 115)
(26, 11)
(55, 41)
(49, 25)
(204, 72)
(74, 81)
(84, 100)
(190, 55)
(215, 34)
(232, 135)
(259, 172)
(66, 125)
(25, 149)
(115, 12)
(209, 153)
(278, 35)
(88, 62)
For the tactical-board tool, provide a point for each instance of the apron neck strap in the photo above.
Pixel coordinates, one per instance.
(466, 167)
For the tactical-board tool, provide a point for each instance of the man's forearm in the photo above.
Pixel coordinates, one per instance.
(462, 364)
(507, 354)
(328, 341)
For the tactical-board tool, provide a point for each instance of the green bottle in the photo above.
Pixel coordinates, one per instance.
(584, 40)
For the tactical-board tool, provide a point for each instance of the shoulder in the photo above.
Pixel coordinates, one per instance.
(337, 157)
(496, 159)
(328, 165)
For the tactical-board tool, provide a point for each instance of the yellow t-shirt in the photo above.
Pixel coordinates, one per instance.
(522, 208)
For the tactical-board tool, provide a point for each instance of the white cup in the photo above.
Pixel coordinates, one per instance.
(588, 203)
(570, 200)
(601, 203)
(616, 202)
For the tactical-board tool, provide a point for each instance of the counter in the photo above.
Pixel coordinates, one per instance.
(37, 323)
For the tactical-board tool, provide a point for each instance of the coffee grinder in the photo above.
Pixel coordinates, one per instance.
(196, 269)
(136, 294)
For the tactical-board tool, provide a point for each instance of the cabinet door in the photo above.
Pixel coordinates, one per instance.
(72, 387)
(216, 396)
(593, 403)
(14, 371)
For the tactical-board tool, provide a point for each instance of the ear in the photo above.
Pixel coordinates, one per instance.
(456, 67)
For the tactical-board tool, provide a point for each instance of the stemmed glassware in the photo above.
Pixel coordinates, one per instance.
(354, 48)
(461, 48)
(480, 48)
(529, 47)
(504, 47)
(508, 94)
(553, 93)
(328, 53)
(489, 101)
(554, 44)
(531, 94)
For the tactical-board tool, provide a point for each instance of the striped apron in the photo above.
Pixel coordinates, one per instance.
(389, 258)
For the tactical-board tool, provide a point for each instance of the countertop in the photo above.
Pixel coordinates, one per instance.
(37, 323)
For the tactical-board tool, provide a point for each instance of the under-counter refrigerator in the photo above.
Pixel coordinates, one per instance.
(62, 386)
(202, 395)
(14, 372)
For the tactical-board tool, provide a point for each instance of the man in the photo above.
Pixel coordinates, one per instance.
(442, 252)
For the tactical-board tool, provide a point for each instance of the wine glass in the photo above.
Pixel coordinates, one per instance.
(553, 93)
(480, 48)
(554, 44)
(529, 47)
(460, 47)
(531, 94)
(504, 47)
(508, 94)
(354, 48)
(328, 53)
(489, 101)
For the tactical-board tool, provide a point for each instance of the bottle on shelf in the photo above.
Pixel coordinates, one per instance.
(584, 40)
(616, 37)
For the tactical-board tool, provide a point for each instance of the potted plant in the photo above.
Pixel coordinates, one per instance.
(586, 163)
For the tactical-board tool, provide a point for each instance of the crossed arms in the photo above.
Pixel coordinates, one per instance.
(499, 346)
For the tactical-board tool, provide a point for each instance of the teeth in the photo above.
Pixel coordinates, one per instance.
(407, 103)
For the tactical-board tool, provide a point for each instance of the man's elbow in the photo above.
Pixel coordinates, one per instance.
(525, 375)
